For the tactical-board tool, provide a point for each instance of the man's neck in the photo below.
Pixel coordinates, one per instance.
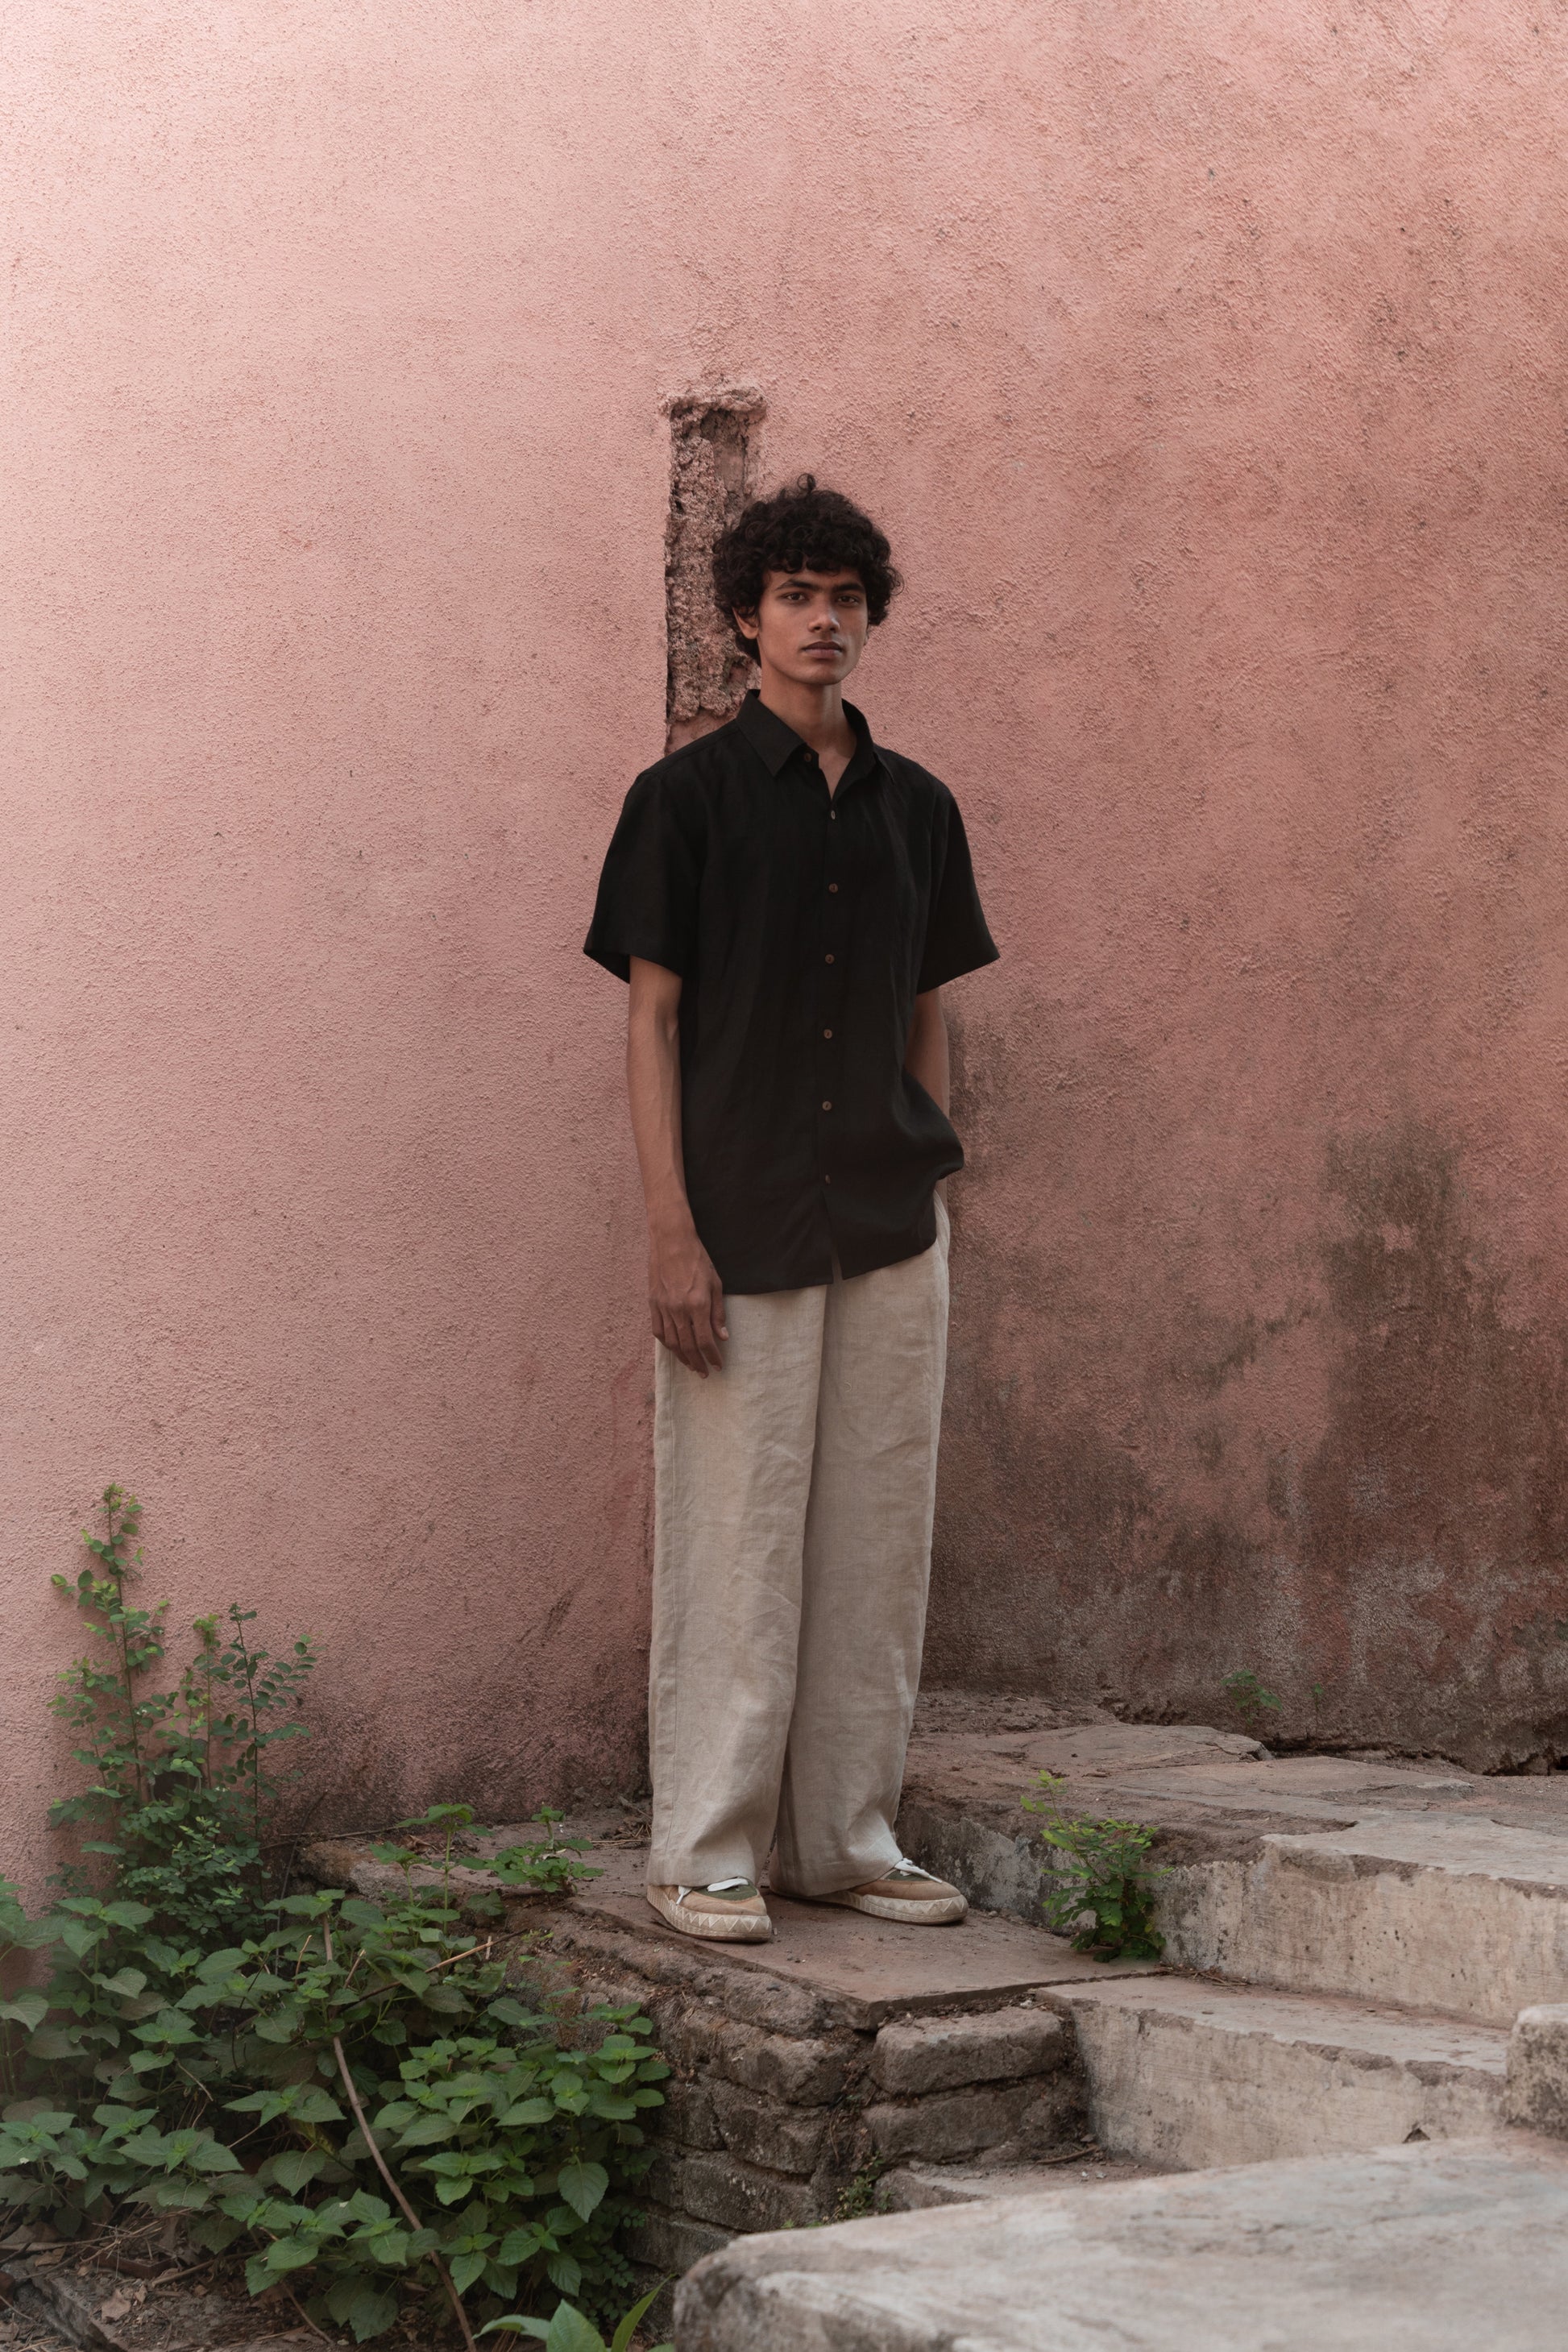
(815, 712)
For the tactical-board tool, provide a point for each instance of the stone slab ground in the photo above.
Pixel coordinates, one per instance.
(1461, 2248)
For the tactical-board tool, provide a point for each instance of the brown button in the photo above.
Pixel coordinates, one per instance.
(827, 1033)
(827, 1106)
(827, 959)
(833, 885)
(827, 1180)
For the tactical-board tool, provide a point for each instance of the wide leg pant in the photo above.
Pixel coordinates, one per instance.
(794, 1492)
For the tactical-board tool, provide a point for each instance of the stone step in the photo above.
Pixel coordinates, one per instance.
(1421, 2249)
(1433, 1910)
(1186, 2074)
(1385, 1882)
(920, 2188)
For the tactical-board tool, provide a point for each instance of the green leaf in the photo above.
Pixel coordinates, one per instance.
(465, 2269)
(529, 2111)
(583, 2186)
(311, 2105)
(426, 2130)
(371, 2313)
(174, 2196)
(564, 2272)
(124, 1985)
(570, 2332)
(294, 2168)
(512, 2012)
(628, 2326)
(55, 2042)
(28, 2010)
(515, 2324)
(226, 1963)
(518, 2245)
(289, 2254)
(214, 2233)
(127, 1914)
(446, 2001)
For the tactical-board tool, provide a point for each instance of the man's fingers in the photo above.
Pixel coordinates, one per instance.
(686, 1346)
(706, 1336)
(668, 1331)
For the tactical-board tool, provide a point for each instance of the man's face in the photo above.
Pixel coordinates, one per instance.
(810, 625)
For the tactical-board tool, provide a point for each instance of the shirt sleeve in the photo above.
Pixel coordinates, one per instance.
(956, 938)
(647, 904)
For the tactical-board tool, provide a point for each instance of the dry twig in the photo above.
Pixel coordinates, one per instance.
(384, 2169)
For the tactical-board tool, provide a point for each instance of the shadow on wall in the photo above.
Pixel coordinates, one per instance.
(1411, 1588)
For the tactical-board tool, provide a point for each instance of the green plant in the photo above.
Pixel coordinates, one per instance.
(350, 2043)
(180, 1783)
(27, 2007)
(1252, 1703)
(1105, 1902)
(548, 1867)
(270, 2082)
(568, 2331)
(859, 2197)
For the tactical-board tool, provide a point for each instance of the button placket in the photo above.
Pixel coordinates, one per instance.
(828, 1022)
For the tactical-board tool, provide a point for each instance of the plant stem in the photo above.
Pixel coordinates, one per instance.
(456, 1957)
(384, 2169)
(251, 1696)
(306, 2317)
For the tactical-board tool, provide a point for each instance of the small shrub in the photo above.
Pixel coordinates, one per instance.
(1105, 1902)
(180, 1782)
(350, 2094)
(548, 1868)
(1252, 1703)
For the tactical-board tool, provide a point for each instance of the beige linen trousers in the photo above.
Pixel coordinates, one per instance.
(794, 1496)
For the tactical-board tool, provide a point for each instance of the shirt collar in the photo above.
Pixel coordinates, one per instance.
(776, 741)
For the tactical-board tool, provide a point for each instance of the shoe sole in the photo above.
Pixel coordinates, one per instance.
(716, 1926)
(939, 1911)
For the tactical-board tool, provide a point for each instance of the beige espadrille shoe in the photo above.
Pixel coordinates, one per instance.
(730, 1911)
(906, 1893)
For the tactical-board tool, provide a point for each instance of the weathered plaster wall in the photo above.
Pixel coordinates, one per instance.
(1204, 360)
(1261, 1360)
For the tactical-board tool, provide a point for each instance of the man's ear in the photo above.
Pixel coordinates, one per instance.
(748, 624)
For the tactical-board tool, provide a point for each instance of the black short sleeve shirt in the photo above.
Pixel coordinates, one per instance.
(804, 925)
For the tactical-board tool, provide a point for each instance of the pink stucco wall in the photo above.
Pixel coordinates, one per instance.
(1203, 358)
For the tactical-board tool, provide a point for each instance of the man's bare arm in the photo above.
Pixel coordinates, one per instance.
(686, 1297)
(925, 1054)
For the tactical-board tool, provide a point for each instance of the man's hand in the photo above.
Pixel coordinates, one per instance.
(684, 1292)
(686, 1297)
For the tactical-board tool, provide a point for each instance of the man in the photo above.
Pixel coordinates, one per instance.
(788, 901)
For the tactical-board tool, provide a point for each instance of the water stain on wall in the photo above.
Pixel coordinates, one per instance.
(1435, 1507)
(1398, 1574)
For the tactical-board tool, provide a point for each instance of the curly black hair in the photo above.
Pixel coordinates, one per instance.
(800, 528)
